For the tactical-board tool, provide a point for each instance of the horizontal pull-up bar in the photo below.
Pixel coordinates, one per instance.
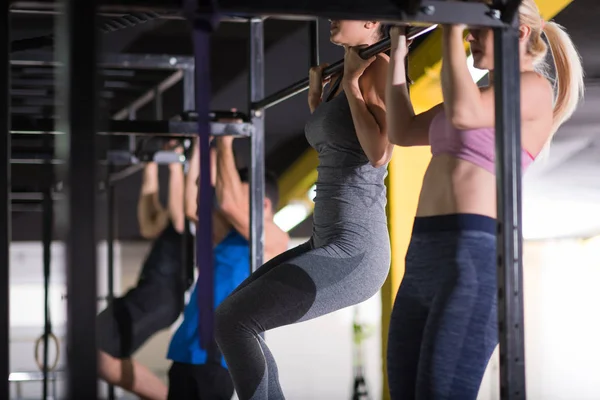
(338, 66)
(137, 128)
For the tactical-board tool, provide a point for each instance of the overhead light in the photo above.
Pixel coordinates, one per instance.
(291, 215)
(477, 74)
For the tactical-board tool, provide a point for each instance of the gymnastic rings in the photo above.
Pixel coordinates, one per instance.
(38, 344)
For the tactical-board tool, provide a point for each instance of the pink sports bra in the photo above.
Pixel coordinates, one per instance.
(473, 145)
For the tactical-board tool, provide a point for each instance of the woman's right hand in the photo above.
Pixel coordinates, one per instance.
(316, 83)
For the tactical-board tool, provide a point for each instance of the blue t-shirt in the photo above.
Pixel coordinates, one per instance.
(232, 266)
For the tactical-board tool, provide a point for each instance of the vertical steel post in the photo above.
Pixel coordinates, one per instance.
(5, 220)
(257, 144)
(509, 235)
(189, 104)
(47, 225)
(77, 91)
(189, 100)
(110, 250)
(313, 37)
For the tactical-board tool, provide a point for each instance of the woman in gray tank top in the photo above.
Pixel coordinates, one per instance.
(347, 259)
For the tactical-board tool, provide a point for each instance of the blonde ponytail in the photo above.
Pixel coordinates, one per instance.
(568, 84)
(568, 81)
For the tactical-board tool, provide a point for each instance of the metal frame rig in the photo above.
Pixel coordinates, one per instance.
(75, 43)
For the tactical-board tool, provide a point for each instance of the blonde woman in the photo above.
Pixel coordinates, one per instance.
(444, 324)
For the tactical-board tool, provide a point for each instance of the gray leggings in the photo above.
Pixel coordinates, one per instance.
(298, 285)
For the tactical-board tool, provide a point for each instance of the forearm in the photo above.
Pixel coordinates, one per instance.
(228, 188)
(314, 101)
(461, 94)
(150, 211)
(176, 196)
(191, 185)
(401, 112)
(371, 136)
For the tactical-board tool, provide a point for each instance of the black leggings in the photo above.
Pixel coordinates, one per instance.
(152, 305)
(199, 382)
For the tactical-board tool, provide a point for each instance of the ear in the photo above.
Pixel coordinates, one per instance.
(268, 205)
(370, 24)
(524, 33)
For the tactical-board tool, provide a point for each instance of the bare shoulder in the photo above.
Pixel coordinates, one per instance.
(536, 84)
(374, 77)
(378, 68)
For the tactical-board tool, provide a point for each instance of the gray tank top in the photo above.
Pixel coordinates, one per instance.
(349, 188)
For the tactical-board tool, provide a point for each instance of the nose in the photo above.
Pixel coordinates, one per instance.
(470, 37)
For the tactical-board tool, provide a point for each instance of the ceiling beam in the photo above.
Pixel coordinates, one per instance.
(425, 64)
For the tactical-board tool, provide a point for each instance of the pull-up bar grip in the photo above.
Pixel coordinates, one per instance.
(338, 66)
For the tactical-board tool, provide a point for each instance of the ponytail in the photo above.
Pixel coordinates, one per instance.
(568, 81)
(568, 84)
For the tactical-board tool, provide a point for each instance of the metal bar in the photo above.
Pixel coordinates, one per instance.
(429, 11)
(47, 225)
(257, 144)
(338, 66)
(170, 16)
(189, 257)
(5, 206)
(32, 376)
(113, 127)
(148, 96)
(313, 39)
(77, 87)
(127, 61)
(158, 104)
(117, 176)
(509, 235)
(34, 196)
(110, 202)
(139, 128)
(189, 101)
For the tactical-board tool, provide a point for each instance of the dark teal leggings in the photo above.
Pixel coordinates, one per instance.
(443, 328)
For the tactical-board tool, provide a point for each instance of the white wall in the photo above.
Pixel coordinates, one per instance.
(562, 322)
(27, 306)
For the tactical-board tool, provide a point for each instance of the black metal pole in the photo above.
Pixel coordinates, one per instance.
(257, 144)
(333, 69)
(509, 236)
(5, 220)
(110, 250)
(313, 37)
(189, 104)
(77, 91)
(47, 225)
(189, 101)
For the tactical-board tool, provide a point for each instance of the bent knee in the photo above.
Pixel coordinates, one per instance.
(225, 321)
(232, 320)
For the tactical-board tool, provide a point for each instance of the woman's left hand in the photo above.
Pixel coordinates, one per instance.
(354, 66)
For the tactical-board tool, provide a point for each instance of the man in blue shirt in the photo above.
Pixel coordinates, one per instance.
(192, 375)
